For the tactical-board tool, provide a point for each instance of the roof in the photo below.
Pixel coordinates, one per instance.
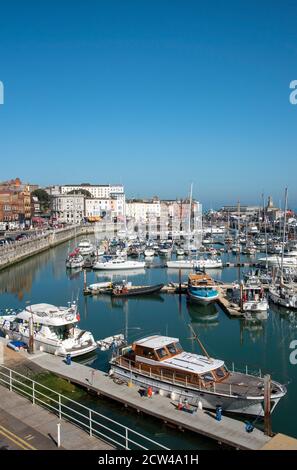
(156, 341)
(193, 362)
(48, 314)
(200, 277)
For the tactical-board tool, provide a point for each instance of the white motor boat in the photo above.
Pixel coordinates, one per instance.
(149, 253)
(74, 260)
(54, 329)
(207, 263)
(118, 264)
(180, 252)
(100, 285)
(86, 248)
(289, 261)
(284, 295)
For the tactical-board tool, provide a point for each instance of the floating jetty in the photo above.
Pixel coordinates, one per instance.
(228, 431)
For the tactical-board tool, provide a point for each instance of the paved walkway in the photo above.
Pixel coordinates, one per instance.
(229, 431)
(24, 426)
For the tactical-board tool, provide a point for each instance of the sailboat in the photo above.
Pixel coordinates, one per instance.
(284, 294)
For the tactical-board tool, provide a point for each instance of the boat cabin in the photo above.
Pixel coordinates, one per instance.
(200, 280)
(164, 357)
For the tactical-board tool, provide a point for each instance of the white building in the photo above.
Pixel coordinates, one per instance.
(68, 208)
(143, 210)
(97, 207)
(96, 190)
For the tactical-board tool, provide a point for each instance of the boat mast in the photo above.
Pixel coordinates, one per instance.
(284, 233)
(199, 342)
(265, 231)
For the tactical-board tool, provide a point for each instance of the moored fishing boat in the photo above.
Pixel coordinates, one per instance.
(202, 289)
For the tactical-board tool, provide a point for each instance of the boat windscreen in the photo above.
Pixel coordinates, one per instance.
(161, 353)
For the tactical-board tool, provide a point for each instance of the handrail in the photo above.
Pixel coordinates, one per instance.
(89, 422)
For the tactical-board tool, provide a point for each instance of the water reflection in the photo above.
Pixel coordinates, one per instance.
(206, 316)
(19, 279)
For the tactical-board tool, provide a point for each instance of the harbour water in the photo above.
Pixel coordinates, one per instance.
(260, 344)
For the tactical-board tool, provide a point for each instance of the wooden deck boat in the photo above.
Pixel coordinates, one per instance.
(160, 362)
(202, 289)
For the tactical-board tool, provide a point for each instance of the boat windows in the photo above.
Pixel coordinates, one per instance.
(149, 353)
(207, 377)
(162, 353)
(171, 348)
(220, 372)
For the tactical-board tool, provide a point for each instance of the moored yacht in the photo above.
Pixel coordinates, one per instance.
(117, 264)
(160, 362)
(85, 248)
(74, 260)
(54, 329)
(284, 295)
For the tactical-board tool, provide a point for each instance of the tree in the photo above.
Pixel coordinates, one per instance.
(43, 199)
(85, 192)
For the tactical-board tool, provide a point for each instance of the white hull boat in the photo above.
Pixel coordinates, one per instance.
(118, 264)
(54, 329)
(73, 262)
(85, 248)
(149, 253)
(283, 296)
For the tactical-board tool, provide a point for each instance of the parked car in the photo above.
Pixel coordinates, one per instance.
(21, 236)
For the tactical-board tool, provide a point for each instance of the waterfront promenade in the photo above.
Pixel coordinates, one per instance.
(228, 431)
(30, 427)
(20, 250)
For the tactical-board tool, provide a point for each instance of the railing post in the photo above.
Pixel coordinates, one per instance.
(127, 439)
(232, 366)
(230, 391)
(246, 370)
(60, 407)
(59, 435)
(33, 393)
(260, 373)
(90, 423)
(10, 380)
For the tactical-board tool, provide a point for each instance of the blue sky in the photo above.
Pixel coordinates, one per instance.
(154, 94)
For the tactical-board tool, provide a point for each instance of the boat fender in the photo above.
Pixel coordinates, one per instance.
(200, 406)
(249, 427)
(110, 373)
(173, 396)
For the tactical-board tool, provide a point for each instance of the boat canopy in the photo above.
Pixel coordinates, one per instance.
(48, 314)
(156, 341)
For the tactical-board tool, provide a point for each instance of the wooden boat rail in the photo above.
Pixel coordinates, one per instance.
(229, 387)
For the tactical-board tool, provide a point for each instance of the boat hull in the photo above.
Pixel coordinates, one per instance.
(252, 406)
(49, 347)
(146, 290)
(202, 299)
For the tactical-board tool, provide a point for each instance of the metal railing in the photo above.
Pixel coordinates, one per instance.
(94, 423)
